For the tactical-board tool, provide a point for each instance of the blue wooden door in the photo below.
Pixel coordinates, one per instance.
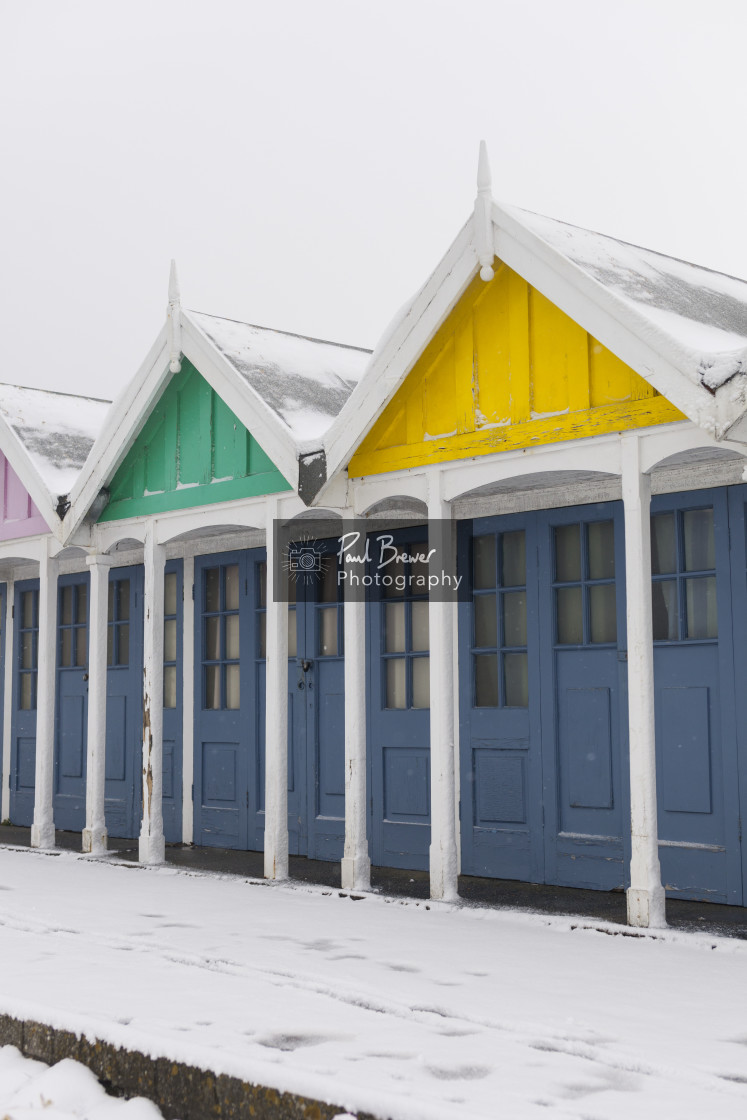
(172, 701)
(738, 543)
(584, 708)
(71, 704)
(23, 717)
(697, 774)
(124, 701)
(399, 712)
(499, 686)
(320, 706)
(229, 702)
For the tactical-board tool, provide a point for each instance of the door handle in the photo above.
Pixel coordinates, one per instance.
(85, 676)
(306, 665)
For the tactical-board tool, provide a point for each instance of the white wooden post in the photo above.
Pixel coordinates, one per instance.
(356, 862)
(188, 699)
(646, 900)
(94, 834)
(42, 829)
(7, 686)
(152, 842)
(276, 718)
(443, 852)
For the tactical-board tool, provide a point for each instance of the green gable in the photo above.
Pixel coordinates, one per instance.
(192, 451)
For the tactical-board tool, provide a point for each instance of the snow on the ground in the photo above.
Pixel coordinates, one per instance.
(405, 1009)
(65, 1091)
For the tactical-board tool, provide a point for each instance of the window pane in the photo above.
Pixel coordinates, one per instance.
(110, 645)
(66, 606)
(483, 550)
(212, 589)
(27, 692)
(567, 553)
(327, 585)
(394, 627)
(486, 680)
(291, 587)
(212, 687)
(292, 634)
(170, 585)
(233, 701)
(516, 680)
(663, 544)
(515, 618)
(110, 614)
(123, 645)
(395, 682)
(601, 541)
(81, 611)
(602, 608)
(486, 622)
(169, 686)
(66, 653)
(169, 639)
(27, 651)
(700, 600)
(81, 644)
(513, 559)
(212, 639)
(328, 632)
(421, 682)
(123, 599)
(570, 616)
(28, 609)
(664, 610)
(418, 573)
(262, 572)
(232, 587)
(700, 548)
(419, 621)
(232, 637)
(263, 635)
(394, 570)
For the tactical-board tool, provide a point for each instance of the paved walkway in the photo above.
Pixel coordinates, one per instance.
(609, 906)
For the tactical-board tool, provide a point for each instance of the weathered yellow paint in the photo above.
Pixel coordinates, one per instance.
(507, 370)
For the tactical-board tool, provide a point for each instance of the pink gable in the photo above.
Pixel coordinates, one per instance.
(19, 517)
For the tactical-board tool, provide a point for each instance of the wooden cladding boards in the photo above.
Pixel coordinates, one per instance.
(508, 369)
(192, 451)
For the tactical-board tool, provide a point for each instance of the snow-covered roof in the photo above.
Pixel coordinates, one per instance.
(305, 381)
(705, 312)
(56, 430)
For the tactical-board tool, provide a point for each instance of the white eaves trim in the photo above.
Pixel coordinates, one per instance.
(130, 411)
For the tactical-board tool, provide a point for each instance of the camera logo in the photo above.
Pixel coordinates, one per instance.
(304, 558)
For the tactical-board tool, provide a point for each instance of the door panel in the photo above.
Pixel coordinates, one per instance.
(399, 716)
(124, 702)
(23, 716)
(71, 702)
(172, 700)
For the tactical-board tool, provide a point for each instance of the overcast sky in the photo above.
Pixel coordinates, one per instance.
(308, 163)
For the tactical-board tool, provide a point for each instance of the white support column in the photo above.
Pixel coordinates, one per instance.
(152, 842)
(42, 830)
(646, 901)
(356, 862)
(276, 718)
(7, 686)
(443, 853)
(188, 700)
(94, 834)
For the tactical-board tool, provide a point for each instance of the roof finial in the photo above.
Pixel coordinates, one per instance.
(484, 216)
(174, 320)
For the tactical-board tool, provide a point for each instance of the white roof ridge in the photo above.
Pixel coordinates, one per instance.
(279, 330)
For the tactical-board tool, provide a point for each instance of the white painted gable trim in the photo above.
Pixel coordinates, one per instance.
(18, 458)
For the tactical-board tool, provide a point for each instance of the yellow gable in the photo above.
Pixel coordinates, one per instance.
(507, 370)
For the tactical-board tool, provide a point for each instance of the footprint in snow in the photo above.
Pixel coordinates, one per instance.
(295, 1041)
(458, 1073)
(400, 967)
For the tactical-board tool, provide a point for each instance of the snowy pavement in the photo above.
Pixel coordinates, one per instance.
(405, 1009)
